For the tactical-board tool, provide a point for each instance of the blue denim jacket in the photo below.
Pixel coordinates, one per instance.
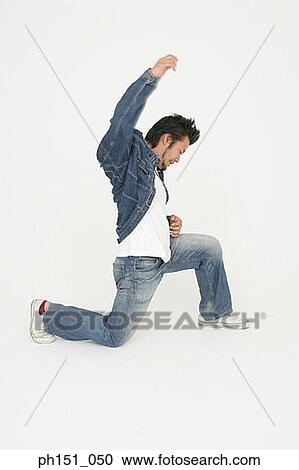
(127, 160)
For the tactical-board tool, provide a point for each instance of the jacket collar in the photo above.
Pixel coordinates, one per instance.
(151, 154)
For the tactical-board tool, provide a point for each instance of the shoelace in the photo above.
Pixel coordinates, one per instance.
(233, 317)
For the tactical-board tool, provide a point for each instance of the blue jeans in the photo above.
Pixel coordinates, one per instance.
(137, 278)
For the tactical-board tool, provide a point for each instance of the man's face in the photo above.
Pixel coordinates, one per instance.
(172, 154)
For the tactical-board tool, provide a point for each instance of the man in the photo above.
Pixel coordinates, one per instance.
(149, 241)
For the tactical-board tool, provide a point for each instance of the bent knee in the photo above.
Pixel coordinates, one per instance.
(118, 341)
(214, 246)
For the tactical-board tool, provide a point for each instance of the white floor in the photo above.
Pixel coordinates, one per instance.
(169, 389)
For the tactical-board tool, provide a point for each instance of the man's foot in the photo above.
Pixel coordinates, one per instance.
(37, 327)
(203, 322)
(230, 320)
(234, 320)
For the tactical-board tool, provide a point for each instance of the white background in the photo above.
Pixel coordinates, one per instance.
(167, 389)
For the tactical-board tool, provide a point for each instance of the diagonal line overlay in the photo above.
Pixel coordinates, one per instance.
(46, 391)
(251, 388)
(61, 83)
(225, 103)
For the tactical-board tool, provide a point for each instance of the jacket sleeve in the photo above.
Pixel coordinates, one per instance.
(114, 148)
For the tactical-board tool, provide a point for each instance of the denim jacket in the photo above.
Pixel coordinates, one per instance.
(127, 160)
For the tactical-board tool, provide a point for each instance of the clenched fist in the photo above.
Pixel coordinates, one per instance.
(163, 64)
(175, 225)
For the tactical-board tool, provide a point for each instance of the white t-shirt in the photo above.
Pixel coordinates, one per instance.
(151, 236)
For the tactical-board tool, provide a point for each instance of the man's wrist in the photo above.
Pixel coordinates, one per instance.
(148, 77)
(150, 71)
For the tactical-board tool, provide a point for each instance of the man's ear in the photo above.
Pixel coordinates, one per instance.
(170, 140)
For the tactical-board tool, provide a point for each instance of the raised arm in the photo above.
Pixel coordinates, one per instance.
(116, 143)
(115, 146)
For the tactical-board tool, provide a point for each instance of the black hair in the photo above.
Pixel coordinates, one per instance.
(176, 125)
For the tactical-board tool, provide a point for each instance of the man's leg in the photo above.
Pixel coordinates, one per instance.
(136, 280)
(203, 253)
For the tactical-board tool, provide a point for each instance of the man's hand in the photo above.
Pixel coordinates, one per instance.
(175, 225)
(163, 64)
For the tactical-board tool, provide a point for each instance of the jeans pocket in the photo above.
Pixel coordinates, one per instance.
(146, 263)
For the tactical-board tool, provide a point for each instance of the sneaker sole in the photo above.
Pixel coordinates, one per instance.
(219, 324)
(211, 324)
(234, 327)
